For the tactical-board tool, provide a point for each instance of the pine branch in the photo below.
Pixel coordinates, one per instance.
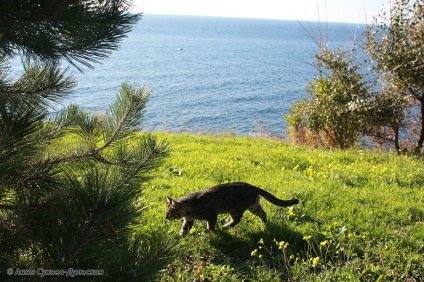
(23, 228)
(81, 32)
(54, 204)
(151, 155)
(58, 124)
(124, 116)
(41, 81)
(82, 239)
(19, 124)
(80, 157)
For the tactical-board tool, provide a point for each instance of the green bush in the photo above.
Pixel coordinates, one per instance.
(337, 111)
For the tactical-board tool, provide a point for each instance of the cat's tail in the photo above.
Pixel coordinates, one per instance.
(274, 200)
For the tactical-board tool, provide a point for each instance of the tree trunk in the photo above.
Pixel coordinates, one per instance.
(421, 137)
(396, 139)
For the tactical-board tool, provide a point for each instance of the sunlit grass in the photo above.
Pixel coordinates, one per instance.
(360, 217)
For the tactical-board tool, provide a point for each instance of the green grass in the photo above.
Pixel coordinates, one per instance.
(360, 217)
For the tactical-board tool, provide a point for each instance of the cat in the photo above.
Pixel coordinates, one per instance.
(233, 198)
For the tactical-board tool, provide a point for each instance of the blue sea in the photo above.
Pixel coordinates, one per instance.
(210, 74)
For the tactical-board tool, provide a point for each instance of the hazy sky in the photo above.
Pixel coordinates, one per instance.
(356, 11)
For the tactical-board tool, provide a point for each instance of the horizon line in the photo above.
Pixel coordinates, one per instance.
(253, 18)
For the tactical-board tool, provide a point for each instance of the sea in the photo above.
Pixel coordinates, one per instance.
(212, 74)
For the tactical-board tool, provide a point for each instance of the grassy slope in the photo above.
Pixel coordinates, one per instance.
(361, 213)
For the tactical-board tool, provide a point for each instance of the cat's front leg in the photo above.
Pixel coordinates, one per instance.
(212, 223)
(187, 225)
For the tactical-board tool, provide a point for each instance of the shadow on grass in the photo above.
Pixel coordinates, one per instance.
(239, 248)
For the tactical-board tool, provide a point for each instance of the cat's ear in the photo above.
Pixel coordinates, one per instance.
(173, 202)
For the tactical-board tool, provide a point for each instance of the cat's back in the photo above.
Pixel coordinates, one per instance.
(230, 188)
(230, 192)
(225, 197)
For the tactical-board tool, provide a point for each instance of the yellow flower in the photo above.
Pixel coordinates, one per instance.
(283, 245)
(306, 238)
(315, 261)
(254, 252)
(261, 241)
(323, 243)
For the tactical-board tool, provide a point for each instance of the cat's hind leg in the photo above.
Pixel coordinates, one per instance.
(257, 210)
(235, 219)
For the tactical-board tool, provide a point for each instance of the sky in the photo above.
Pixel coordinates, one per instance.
(352, 11)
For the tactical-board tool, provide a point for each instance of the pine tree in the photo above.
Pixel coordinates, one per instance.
(71, 183)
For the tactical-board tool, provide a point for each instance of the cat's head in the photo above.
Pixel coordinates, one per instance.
(176, 209)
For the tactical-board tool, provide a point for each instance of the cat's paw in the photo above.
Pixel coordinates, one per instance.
(226, 226)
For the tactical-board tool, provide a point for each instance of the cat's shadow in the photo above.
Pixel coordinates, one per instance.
(241, 247)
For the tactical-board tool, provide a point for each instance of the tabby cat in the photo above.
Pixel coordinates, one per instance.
(233, 198)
